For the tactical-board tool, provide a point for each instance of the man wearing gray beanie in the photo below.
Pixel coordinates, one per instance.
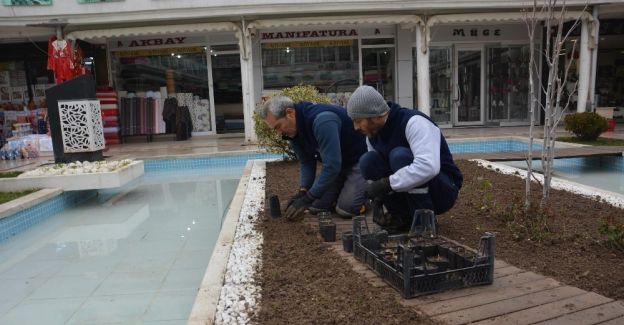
(408, 165)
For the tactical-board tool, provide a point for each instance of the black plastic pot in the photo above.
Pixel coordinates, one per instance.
(347, 241)
(429, 250)
(425, 269)
(274, 206)
(442, 264)
(328, 231)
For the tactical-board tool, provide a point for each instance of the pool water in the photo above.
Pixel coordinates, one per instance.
(604, 172)
(135, 254)
(490, 146)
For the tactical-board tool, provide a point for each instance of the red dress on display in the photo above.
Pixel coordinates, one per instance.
(79, 69)
(60, 59)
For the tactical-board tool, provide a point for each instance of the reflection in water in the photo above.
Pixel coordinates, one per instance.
(604, 172)
(149, 241)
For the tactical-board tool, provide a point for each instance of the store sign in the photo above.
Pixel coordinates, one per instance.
(152, 42)
(300, 44)
(309, 34)
(474, 32)
(165, 51)
(479, 33)
(164, 41)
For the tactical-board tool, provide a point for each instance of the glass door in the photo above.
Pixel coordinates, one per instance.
(440, 73)
(508, 84)
(378, 69)
(228, 92)
(468, 85)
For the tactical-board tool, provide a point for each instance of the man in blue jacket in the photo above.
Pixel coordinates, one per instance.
(320, 132)
(408, 164)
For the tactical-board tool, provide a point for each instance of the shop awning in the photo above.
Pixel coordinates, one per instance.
(103, 34)
(501, 17)
(404, 20)
(13, 34)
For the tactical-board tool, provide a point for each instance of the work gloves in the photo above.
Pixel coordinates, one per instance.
(297, 204)
(378, 189)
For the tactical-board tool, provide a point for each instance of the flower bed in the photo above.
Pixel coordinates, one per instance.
(78, 168)
(77, 176)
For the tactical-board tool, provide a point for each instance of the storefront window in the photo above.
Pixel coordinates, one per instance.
(228, 92)
(159, 85)
(508, 83)
(182, 69)
(610, 77)
(15, 77)
(331, 65)
(610, 69)
(378, 70)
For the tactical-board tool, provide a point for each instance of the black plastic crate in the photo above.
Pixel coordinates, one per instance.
(410, 274)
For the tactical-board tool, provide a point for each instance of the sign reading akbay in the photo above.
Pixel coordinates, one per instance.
(154, 42)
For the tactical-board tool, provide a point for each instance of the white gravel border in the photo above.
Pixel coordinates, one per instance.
(240, 292)
(612, 198)
(228, 293)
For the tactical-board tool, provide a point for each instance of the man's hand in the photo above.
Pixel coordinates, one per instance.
(297, 206)
(300, 193)
(378, 188)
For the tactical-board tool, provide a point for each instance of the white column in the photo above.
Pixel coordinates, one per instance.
(422, 69)
(247, 84)
(594, 60)
(405, 67)
(584, 67)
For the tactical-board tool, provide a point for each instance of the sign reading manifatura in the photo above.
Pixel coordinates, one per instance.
(299, 44)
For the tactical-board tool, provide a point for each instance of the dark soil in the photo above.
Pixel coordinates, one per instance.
(563, 242)
(304, 281)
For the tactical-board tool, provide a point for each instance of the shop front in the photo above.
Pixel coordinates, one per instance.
(201, 72)
(333, 59)
(478, 74)
(165, 76)
(336, 56)
(24, 77)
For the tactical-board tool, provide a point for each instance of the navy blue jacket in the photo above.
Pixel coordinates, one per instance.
(350, 145)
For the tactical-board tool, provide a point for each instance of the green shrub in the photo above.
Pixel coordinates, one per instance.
(10, 174)
(268, 138)
(586, 126)
(614, 232)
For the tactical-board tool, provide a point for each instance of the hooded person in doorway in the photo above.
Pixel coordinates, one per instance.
(408, 165)
(320, 132)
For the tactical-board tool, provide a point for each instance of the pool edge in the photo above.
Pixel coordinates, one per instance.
(612, 198)
(205, 305)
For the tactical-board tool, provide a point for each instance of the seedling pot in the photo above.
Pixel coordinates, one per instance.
(347, 241)
(328, 231)
(274, 206)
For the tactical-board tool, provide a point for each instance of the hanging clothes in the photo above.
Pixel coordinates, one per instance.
(60, 59)
(169, 114)
(184, 125)
(79, 68)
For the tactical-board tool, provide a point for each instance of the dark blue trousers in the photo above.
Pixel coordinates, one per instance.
(439, 194)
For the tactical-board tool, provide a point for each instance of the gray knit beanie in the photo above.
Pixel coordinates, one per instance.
(366, 102)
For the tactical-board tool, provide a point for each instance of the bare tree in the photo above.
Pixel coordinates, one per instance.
(553, 15)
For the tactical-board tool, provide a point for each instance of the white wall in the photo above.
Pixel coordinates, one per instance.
(151, 10)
